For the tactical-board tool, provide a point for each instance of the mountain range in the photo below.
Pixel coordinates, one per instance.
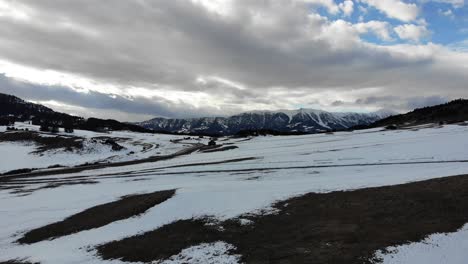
(299, 121)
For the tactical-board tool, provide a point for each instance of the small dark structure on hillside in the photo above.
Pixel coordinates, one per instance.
(68, 126)
(212, 142)
(49, 128)
(7, 121)
(115, 146)
(44, 128)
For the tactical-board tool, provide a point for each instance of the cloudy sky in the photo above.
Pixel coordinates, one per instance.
(135, 59)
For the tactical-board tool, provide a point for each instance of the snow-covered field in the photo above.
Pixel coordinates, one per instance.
(231, 183)
(19, 155)
(436, 249)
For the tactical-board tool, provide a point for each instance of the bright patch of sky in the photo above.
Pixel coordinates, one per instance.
(442, 22)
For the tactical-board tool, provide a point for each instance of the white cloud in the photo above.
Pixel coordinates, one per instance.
(347, 7)
(345, 36)
(412, 32)
(54, 78)
(220, 7)
(395, 9)
(454, 3)
(330, 5)
(363, 10)
(15, 11)
(447, 13)
(379, 28)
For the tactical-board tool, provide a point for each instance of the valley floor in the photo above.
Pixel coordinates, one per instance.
(362, 196)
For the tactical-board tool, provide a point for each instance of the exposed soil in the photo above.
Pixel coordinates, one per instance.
(211, 163)
(16, 262)
(98, 216)
(161, 243)
(338, 227)
(20, 189)
(67, 143)
(19, 171)
(223, 148)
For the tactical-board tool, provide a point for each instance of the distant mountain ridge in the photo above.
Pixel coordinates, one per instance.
(451, 112)
(13, 108)
(12, 105)
(302, 120)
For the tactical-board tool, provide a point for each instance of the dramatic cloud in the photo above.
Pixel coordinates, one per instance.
(133, 59)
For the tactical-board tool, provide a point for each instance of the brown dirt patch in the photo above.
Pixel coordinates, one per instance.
(219, 149)
(339, 227)
(23, 190)
(211, 163)
(146, 248)
(98, 216)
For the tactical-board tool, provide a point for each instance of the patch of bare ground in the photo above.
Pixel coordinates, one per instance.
(68, 143)
(24, 189)
(211, 163)
(98, 216)
(16, 262)
(338, 227)
(219, 149)
(161, 243)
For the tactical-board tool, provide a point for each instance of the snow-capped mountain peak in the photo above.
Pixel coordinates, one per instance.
(301, 120)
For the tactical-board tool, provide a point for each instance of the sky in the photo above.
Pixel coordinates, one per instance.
(136, 59)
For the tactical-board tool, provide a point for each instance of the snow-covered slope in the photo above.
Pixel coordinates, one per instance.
(21, 155)
(302, 120)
